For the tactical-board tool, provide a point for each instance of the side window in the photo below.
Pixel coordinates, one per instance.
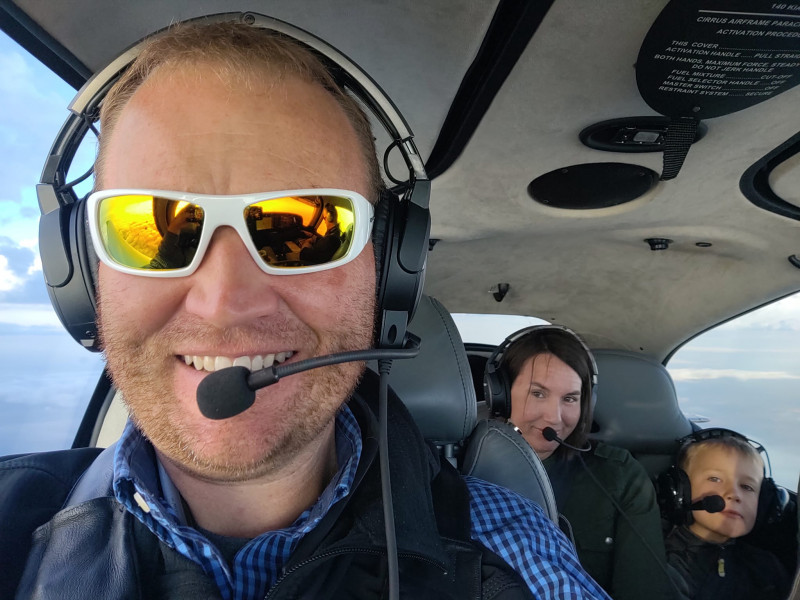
(745, 375)
(47, 377)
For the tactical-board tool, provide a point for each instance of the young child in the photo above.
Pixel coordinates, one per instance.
(706, 560)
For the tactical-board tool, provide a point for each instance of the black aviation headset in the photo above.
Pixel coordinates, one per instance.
(400, 231)
(497, 383)
(674, 490)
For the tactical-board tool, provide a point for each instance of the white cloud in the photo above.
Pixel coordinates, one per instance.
(742, 375)
(783, 314)
(36, 267)
(8, 279)
(30, 315)
(732, 350)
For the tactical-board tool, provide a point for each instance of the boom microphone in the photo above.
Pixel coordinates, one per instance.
(228, 392)
(550, 435)
(712, 504)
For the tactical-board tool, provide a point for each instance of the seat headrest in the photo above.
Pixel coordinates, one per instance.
(637, 407)
(436, 385)
(497, 452)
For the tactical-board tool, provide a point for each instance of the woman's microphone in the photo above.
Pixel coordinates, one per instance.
(228, 392)
(550, 435)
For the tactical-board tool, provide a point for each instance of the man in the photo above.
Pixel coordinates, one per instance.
(284, 498)
(322, 248)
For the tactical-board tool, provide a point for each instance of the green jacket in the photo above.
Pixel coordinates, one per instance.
(608, 548)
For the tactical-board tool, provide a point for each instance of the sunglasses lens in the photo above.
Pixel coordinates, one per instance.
(148, 232)
(300, 231)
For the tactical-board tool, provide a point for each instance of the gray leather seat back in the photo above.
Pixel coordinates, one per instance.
(497, 452)
(637, 408)
(437, 388)
(436, 385)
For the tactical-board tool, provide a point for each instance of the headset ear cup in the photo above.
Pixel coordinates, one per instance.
(69, 265)
(770, 508)
(383, 244)
(504, 395)
(496, 391)
(91, 261)
(381, 240)
(400, 236)
(674, 494)
(592, 401)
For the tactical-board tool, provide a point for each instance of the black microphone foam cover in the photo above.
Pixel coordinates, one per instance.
(225, 393)
(712, 504)
(549, 434)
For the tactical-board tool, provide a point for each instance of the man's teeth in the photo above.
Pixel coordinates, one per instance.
(253, 363)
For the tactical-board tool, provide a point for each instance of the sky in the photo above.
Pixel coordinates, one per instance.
(752, 363)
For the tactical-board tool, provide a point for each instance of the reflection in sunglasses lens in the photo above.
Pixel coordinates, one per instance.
(298, 232)
(149, 232)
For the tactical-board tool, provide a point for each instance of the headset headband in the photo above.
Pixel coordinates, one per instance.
(496, 358)
(715, 433)
(84, 108)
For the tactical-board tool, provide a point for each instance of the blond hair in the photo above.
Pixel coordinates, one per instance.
(237, 52)
(728, 442)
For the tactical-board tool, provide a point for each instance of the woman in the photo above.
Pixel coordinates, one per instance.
(541, 378)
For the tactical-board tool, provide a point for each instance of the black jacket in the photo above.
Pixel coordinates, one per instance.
(84, 544)
(734, 570)
(611, 547)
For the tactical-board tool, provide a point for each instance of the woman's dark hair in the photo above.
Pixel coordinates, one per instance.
(567, 347)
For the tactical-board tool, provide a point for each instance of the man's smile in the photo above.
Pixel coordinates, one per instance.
(252, 363)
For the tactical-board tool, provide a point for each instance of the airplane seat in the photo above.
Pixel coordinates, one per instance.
(437, 388)
(637, 408)
(497, 452)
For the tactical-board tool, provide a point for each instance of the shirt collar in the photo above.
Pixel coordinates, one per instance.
(140, 479)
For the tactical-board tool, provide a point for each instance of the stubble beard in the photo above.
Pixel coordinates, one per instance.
(142, 367)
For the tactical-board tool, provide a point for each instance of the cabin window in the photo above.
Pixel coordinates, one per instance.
(744, 375)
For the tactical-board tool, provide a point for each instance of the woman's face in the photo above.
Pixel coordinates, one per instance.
(546, 393)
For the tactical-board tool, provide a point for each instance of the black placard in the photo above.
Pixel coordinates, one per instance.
(707, 58)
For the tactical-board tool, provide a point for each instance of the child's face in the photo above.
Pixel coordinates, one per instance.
(737, 478)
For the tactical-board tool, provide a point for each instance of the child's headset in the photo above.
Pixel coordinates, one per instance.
(497, 383)
(674, 490)
(400, 232)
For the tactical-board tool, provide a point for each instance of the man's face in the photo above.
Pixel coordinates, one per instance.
(546, 393)
(195, 132)
(737, 478)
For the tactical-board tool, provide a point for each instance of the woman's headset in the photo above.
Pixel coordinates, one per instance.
(497, 382)
(674, 490)
(400, 232)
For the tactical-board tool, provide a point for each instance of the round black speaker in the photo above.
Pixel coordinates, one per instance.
(591, 186)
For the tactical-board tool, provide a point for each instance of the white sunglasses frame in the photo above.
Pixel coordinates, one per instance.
(218, 211)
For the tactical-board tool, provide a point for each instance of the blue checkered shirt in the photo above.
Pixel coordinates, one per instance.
(513, 527)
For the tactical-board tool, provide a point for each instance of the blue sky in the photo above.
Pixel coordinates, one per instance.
(752, 363)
